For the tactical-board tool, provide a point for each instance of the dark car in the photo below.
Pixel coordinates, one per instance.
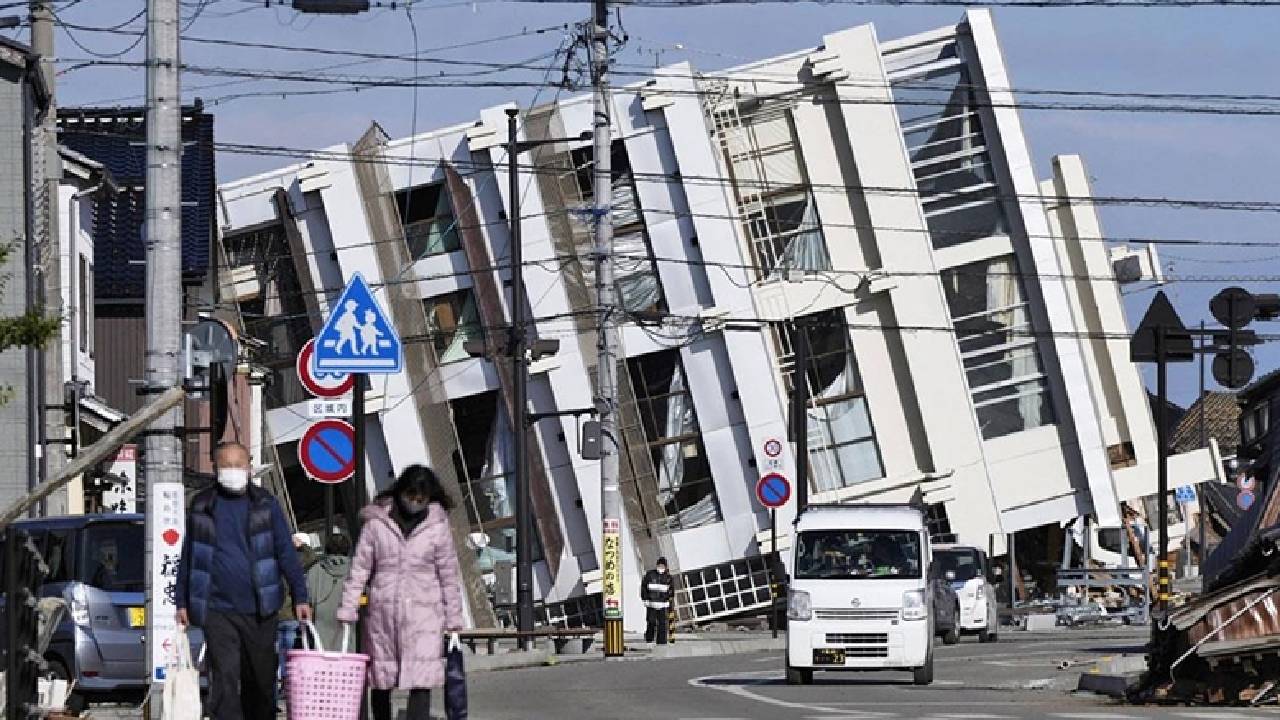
(946, 606)
(96, 564)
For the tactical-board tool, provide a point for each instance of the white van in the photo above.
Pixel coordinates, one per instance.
(969, 573)
(860, 596)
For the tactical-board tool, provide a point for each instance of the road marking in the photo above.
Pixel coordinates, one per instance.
(1094, 716)
(761, 677)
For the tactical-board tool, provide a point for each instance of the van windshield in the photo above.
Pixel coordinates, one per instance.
(113, 557)
(825, 554)
(964, 562)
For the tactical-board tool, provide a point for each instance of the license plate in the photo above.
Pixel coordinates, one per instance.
(137, 617)
(828, 656)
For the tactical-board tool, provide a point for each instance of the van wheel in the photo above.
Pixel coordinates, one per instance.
(951, 637)
(799, 676)
(986, 637)
(923, 675)
(76, 702)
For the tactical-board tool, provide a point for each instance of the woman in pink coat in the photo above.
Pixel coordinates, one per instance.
(405, 555)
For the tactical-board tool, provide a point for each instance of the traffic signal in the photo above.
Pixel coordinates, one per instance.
(1236, 308)
(25, 573)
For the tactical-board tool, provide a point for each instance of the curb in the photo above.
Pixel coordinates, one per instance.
(705, 648)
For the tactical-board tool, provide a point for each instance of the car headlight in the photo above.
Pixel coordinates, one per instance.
(77, 604)
(914, 606)
(799, 607)
(980, 593)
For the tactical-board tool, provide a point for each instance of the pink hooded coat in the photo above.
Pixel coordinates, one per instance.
(414, 596)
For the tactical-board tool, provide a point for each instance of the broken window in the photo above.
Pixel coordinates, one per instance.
(842, 442)
(938, 113)
(686, 488)
(452, 320)
(427, 217)
(262, 278)
(486, 471)
(993, 328)
(938, 524)
(635, 275)
(775, 201)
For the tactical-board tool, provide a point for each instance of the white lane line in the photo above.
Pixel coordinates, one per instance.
(1193, 715)
(1094, 716)
(736, 685)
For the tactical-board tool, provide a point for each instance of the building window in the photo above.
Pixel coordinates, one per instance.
(272, 306)
(83, 300)
(486, 467)
(427, 217)
(686, 488)
(1254, 424)
(762, 152)
(992, 322)
(635, 275)
(453, 320)
(938, 113)
(842, 443)
(938, 524)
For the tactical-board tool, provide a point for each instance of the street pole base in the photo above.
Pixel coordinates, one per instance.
(613, 642)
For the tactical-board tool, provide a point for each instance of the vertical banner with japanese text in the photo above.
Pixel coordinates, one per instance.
(612, 575)
(168, 529)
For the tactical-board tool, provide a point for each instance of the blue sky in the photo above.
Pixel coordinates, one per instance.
(1190, 50)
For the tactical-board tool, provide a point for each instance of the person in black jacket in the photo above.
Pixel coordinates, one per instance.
(656, 590)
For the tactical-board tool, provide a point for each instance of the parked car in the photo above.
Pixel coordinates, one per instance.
(945, 605)
(96, 564)
(968, 572)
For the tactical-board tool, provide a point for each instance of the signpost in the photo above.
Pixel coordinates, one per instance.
(358, 339)
(327, 451)
(773, 490)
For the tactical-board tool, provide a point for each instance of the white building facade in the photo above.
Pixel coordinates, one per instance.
(964, 321)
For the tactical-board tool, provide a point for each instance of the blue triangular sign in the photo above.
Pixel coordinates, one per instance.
(358, 337)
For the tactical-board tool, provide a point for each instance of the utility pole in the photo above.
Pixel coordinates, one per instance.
(800, 410)
(162, 460)
(606, 350)
(516, 346)
(46, 174)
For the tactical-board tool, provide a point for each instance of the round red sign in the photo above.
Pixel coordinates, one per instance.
(321, 384)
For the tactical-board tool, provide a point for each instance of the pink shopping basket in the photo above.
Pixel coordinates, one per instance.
(324, 685)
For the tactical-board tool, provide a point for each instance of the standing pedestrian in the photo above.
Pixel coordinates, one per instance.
(655, 590)
(237, 555)
(324, 586)
(406, 556)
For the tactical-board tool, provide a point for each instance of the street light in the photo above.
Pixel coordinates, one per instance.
(518, 348)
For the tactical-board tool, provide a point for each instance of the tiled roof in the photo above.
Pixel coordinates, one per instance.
(1221, 421)
(116, 138)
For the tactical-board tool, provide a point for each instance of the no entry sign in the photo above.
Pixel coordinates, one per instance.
(773, 490)
(327, 451)
(321, 384)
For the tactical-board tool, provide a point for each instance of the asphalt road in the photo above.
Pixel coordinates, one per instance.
(1015, 678)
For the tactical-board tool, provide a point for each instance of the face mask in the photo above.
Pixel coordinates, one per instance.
(412, 508)
(662, 570)
(233, 479)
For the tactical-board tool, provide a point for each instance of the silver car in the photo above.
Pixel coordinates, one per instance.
(96, 564)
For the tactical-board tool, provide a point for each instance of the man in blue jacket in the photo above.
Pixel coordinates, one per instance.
(237, 555)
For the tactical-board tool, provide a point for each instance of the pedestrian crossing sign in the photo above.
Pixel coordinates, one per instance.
(358, 337)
